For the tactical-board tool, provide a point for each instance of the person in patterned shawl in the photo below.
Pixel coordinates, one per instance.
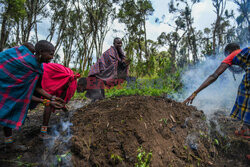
(20, 70)
(241, 108)
(111, 69)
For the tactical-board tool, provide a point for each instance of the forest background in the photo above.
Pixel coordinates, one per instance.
(79, 29)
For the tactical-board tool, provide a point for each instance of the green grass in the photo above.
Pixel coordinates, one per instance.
(79, 96)
(143, 158)
(143, 87)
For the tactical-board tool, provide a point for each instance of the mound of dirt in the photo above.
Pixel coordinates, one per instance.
(232, 149)
(109, 133)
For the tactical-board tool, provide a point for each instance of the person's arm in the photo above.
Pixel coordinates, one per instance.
(43, 93)
(47, 102)
(48, 96)
(207, 82)
(36, 99)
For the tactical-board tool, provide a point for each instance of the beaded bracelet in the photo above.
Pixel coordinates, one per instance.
(46, 102)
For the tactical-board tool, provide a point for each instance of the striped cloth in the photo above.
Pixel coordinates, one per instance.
(108, 66)
(19, 72)
(241, 108)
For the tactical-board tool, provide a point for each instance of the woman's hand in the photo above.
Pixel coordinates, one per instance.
(58, 99)
(56, 104)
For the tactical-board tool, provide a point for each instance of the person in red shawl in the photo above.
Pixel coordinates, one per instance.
(58, 81)
(110, 70)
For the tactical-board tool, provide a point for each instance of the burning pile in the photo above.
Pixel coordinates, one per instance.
(112, 132)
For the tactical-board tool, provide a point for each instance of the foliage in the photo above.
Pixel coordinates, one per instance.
(18, 162)
(243, 21)
(63, 156)
(12, 11)
(134, 13)
(147, 87)
(79, 27)
(115, 157)
(79, 96)
(143, 158)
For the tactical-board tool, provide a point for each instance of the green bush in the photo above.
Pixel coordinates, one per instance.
(146, 86)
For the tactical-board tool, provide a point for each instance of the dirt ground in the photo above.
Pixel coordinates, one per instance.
(55, 152)
(110, 132)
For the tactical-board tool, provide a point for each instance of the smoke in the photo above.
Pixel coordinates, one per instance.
(76, 104)
(220, 95)
(58, 148)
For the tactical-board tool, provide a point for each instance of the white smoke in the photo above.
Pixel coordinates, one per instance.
(220, 95)
(58, 152)
(76, 104)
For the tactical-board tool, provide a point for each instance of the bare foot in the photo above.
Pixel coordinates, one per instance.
(244, 132)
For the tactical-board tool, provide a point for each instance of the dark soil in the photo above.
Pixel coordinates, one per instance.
(110, 132)
(232, 149)
(55, 152)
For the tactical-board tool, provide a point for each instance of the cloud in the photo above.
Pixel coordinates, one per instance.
(203, 14)
(154, 30)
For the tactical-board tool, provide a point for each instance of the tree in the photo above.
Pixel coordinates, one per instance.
(243, 20)
(134, 13)
(13, 10)
(85, 42)
(59, 12)
(100, 13)
(219, 6)
(172, 39)
(183, 9)
(206, 44)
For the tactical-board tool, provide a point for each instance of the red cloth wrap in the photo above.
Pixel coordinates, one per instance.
(55, 77)
(229, 59)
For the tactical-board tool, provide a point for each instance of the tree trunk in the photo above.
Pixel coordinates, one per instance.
(4, 33)
(172, 58)
(145, 36)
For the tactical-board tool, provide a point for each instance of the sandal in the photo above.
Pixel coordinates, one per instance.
(244, 133)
